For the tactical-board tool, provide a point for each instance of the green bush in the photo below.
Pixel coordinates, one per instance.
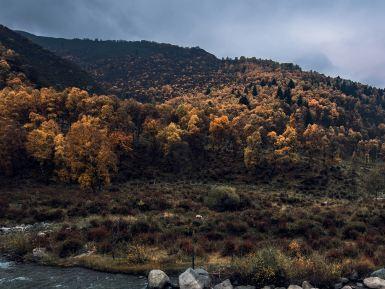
(222, 198)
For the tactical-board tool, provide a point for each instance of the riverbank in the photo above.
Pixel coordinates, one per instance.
(32, 276)
(14, 275)
(258, 234)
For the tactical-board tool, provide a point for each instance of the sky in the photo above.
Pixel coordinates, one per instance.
(335, 37)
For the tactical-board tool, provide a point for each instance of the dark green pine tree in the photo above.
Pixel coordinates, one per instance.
(244, 100)
(245, 90)
(280, 93)
(308, 118)
(291, 84)
(300, 100)
(287, 95)
(208, 90)
(254, 91)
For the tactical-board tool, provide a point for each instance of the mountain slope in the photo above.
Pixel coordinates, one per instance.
(241, 118)
(42, 67)
(140, 69)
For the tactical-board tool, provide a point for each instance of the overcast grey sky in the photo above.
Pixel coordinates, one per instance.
(336, 37)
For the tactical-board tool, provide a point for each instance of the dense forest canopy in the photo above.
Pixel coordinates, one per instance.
(253, 120)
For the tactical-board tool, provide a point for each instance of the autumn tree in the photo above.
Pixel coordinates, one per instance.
(41, 144)
(316, 142)
(253, 151)
(86, 154)
(220, 131)
(174, 148)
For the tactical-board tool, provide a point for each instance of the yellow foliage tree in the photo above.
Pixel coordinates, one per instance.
(41, 143)
(220, 132)
(86, 153)
(169, 136)
(253, 150)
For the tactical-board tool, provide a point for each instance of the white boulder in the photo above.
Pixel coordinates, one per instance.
(374, 283)
(157, 279)
(294, 287)
(224, 285)
(194, 279)
(39, 253)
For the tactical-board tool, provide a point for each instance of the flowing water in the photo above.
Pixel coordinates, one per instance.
(30, 276)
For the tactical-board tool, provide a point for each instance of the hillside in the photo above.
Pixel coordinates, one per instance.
(269, 120)
(42, 67)
(264, 118)
(140, 69)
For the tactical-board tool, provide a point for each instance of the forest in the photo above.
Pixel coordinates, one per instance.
(269, 120)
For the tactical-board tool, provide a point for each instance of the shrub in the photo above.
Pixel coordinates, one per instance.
(374, 182)
(222, 198)
(66, 233)
(379, 254)
(313, 268)
(362, 266)
(16, 245)
(104, 247)
(229, 248)
(353, 230)
(144, 226)
(271, 266)
(245, 247)
(186, 246)
(137, 254)
(98, 234)
(259, 268)
(236, 227)
(69, 247)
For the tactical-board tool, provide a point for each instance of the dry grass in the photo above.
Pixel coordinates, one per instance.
(147, 225)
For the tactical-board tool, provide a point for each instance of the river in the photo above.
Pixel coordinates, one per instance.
(31, 276)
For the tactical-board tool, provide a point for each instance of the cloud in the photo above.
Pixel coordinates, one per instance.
(336, 37)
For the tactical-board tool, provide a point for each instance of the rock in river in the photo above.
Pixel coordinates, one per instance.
(374, 283)
(379, 273)
(194, 279)
(294, 287)
(224, 285)
(39, 253)
(157, 279)
(307, 285)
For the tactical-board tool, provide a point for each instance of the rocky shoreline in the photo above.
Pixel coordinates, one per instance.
(200, 279)
(190, 279)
